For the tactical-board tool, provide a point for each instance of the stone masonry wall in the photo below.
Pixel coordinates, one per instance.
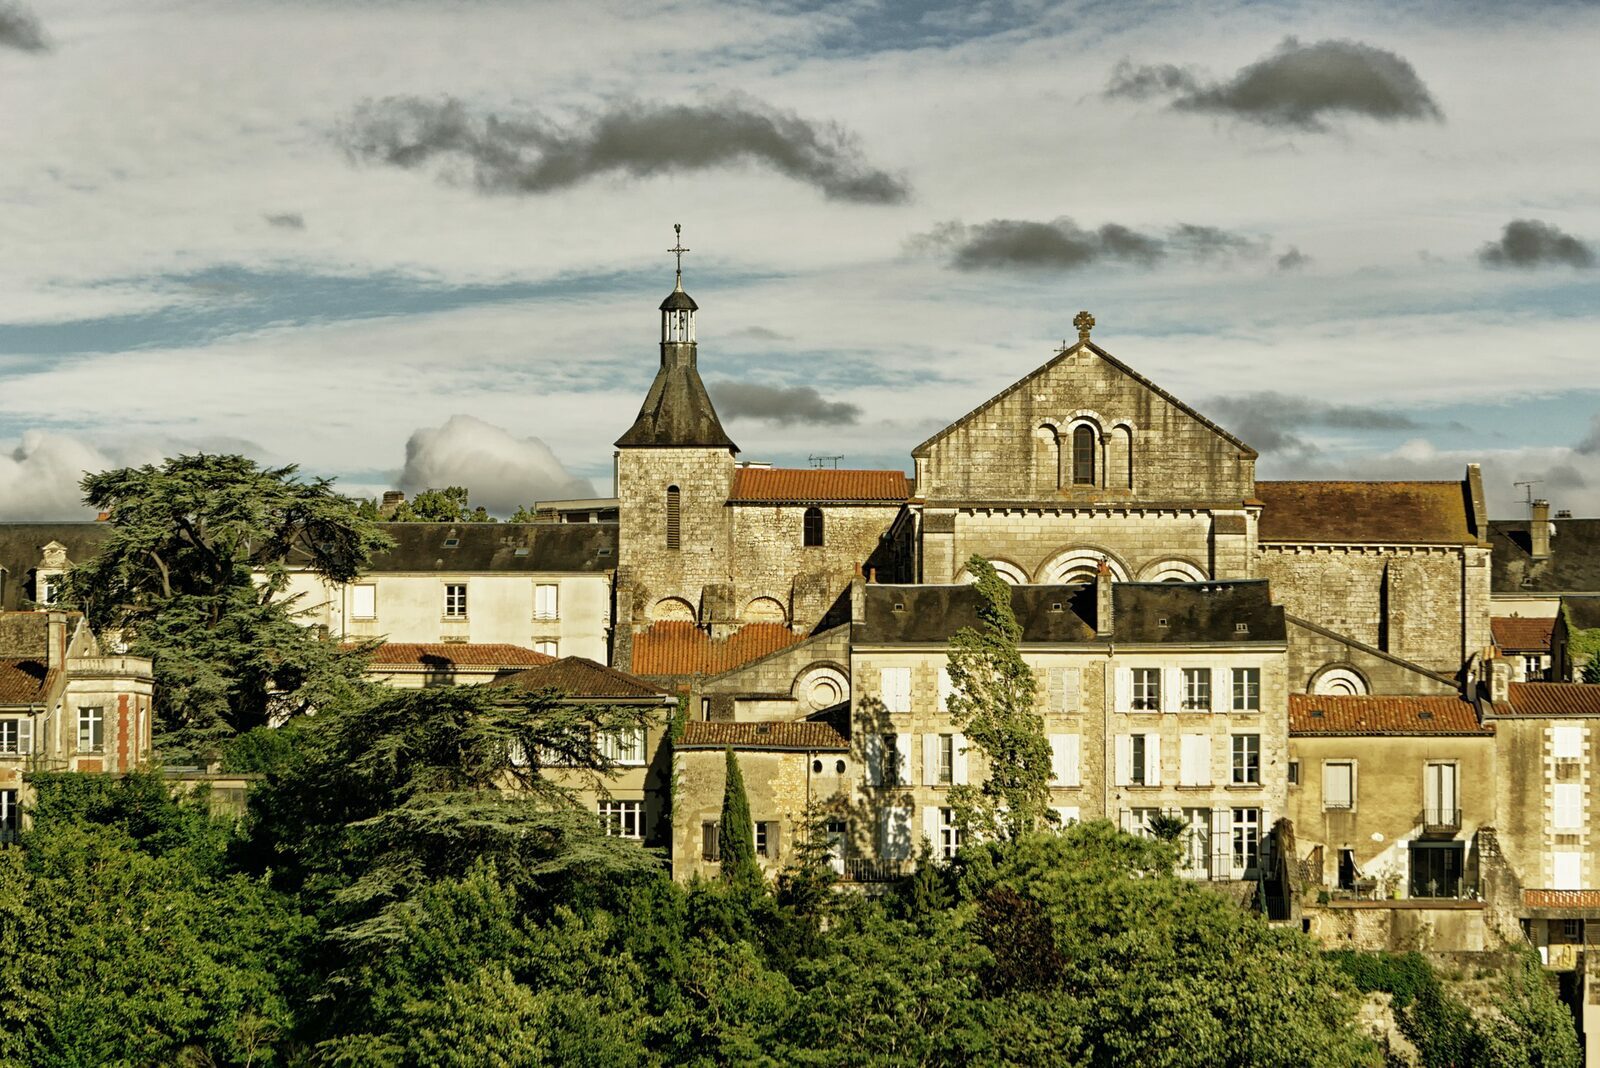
(767, 543)
(652, 571)
(1033, 539)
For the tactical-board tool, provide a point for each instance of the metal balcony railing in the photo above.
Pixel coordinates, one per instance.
(872, 870)
(1441, 820)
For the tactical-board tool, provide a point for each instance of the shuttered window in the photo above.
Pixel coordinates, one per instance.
(1568, 806)
(894, 687)
(1194, 763)
(672, 517)
(1065, 758)
(1338, 784)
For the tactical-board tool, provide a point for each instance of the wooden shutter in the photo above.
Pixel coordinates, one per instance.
(1068, 814)
(1152, 759)
(930, 760)
(1568, 806)
(945, 689)
(1056, 690)
(1221, 689)
(872, 750)
(1568, 871)
(672, 517)
(1071, 689)
(1194, 760)
(1171, 689)
(1337, 784)
(902, 745)
(1123, 689)
(958, 759)
(1567, 742)
(1124, 753)
(930, 826)
(895, 833)
(1065, 759)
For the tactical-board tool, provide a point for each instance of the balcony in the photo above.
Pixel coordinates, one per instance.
(1443, 822)
(871, 870)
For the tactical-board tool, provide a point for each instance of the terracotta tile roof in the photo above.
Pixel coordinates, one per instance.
(1379, 715)
(577, 677)
(682, 648)
(1517, 633)
(435, 655)
(1551, 699)
(25, 681)
(773, 484)
(1360, 513)
(805, 735)
(1561, 899)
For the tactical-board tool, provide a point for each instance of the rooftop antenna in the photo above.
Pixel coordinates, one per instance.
(678, 250)
(825, 461)
(1528, 489)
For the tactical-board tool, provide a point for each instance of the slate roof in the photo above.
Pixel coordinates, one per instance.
(818, 485)
(1374, 714)
(677, 412)
(1583, 613)
(1363, 513)
(1522, 633)
(675, 648)
(435, 656)
(804, 736)
(22, 547)
(897, 615)
(1561, 899)
(1573, 565)
(1195, 612)
(576, 676)
(922, 449)
(581, 547)
(1551, 699)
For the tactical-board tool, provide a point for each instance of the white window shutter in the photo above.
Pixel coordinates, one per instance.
(902, 743)
(1221, 689)
(1058, 688)
(1124, 759)
(25, 735)
(1124, 689)
(1152, 759)
(1567, 742)
(1194, 760)
(1569, 806)
(1071, 689)
(1568, 871)
(930, 826)
(1064, 758)
(930, 760)
(872, 746)
(894, 687)
(895, 833)
(1171, 689)
(1068, 814)
(946, 688)
(958, 759)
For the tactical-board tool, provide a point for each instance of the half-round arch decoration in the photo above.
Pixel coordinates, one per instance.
(764, 610)
(1011, 573)
(1173, 569)
(1082, 564)
(672, 609)
(1339, 680)
(821, 686)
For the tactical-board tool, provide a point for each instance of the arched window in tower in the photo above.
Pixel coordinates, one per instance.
(813, 527)
(1083, 446)
(672, 517)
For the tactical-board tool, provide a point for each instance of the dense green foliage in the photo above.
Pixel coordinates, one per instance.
(448, 505)
(992, 701)
(736, 835)
(194, 575)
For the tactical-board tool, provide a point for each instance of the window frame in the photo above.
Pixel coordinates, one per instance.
(616, 745)
(1187, 699)
(1084, 461)
(616, 816)
(547, 646)
(455, 607)
(1137, 755)
(1246, 851)
(1248, 747)
(1149, 680)
(355, 611)
(813, 528)
(710, 840)
(21, 742)
(554, 611)
(1350, 773)
(1246, 689)
(96, 724)
(951, 836)
(674, 518)
(947, 760)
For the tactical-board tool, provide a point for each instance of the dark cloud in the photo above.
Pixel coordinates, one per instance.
(785, 405)
(1295, 86)
(1268, 421)
(531, 153)
(1063, 245)
(20, 29)
(1590, 445)
(287, 220)
(759, 333)
(1531, 243)
(1293, 260)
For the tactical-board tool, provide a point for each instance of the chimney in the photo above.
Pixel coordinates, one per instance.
(858, 597)
(1539, 530)
(392, 500)
(1500, 680)
(1102, 601)
(56, 640)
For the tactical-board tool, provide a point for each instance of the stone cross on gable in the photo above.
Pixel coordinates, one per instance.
(1085, 323)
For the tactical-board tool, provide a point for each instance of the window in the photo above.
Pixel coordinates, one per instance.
(1436, 868)
(767, 838)
(672, 517)
(1065, 759)
(545, 605)
(1147, 689)
(1247, 759)
(1338, 784)
(1083, 445)
(950, 837)
(547, 646)
(622, 819)
(1442, 798)
(1566, 869)
(623, 747)
(946, 756)
(888, 759)
(1138, 820)
(1139, 754)
(1572, 930)
(811, 533)
(455, 600)
(1246, 838)
(1197, 689)
(894, 685)
(91, 730)
(1194, 760)
(1568, 814)
(10, 815)
(893, 761)
(364, 601)
(709, 847)
(16, 737)
(1533, 668)
(1567, 742)
(1247, 689)
(1197, 841)
(1294, 773)
(47, 585)
(1138, 760)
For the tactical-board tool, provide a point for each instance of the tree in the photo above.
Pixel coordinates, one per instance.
(992, 701)
(736, 835)
(195, 575)
(1591, 670)
(448, 505)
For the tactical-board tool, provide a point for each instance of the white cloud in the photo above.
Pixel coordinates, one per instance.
(39, 477)
(501, 471)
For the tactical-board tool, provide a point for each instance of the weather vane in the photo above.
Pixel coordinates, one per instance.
(678, 250)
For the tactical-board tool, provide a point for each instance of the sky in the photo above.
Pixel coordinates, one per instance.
(410, 243)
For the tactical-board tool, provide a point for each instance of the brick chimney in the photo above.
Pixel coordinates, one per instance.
(392, 500)
(56, 640)
(1539, 530)
(1102, 601)
(1500, 679)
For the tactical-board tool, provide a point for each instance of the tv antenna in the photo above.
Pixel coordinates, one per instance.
(1528, 489)
(825, 461)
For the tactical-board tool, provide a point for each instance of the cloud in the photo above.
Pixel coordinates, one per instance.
(1293, 260)
(20, 29)
(531, 153)
(1267, 420)
(287, 220)
(1295, 86)
(1062, 245)
(783, 405)
(1531, 243)
(501, 471)
(39, 478)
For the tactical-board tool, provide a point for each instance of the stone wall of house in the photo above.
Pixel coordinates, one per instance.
(654, 572)
(1312, 651)
(792, 683)
(1529, 771)
(774, 563)
(1005, 451)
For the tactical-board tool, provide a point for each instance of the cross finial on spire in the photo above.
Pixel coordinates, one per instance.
(678, 250)
(1085, 323)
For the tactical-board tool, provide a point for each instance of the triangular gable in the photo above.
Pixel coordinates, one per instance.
(922, 449)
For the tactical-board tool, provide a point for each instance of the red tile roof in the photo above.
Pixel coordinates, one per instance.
(1561, 899)
(1518, 633)
(682, 648)
(25, 681)
(804, 485)
(1364, 513)
(1551, 699)
(1380, 715)
(805, 736)
(434, 655)
(578, 677)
